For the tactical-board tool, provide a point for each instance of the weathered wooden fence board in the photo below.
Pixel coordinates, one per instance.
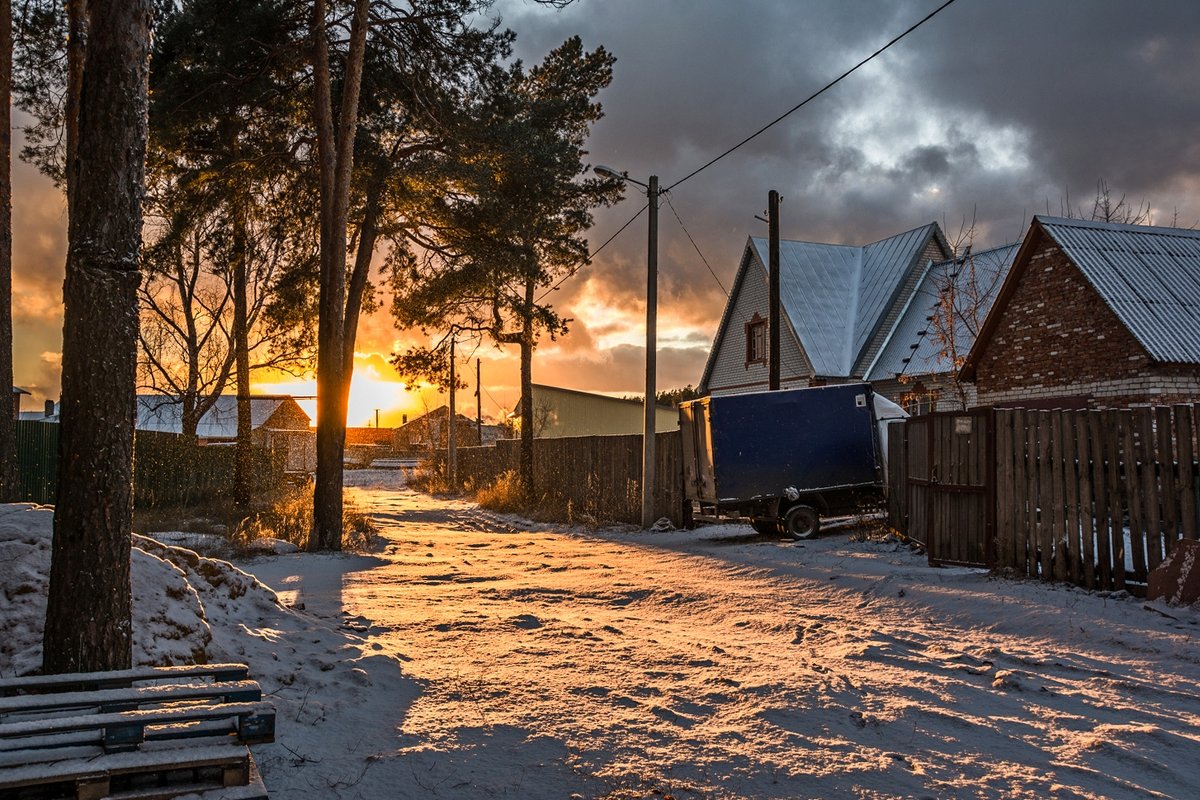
(596, 477)
(1184, 431)
(1094, 498)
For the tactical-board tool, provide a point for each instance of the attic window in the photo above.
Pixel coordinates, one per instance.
(756, 341)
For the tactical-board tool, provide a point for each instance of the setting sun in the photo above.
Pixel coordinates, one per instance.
(375, 399)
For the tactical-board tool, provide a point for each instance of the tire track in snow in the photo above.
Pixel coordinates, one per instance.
(677, 667)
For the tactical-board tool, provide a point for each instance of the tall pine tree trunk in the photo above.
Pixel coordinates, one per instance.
(242, 468)
(9, 486)
(88, 614)
(335, 153)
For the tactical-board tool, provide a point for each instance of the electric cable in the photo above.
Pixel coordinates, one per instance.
(687, 233)
(812, 96)
(750, 138)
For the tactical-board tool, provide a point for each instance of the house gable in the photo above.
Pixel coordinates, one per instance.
(288, 416)
(727, 369)
(1052, 335)
(838, 301)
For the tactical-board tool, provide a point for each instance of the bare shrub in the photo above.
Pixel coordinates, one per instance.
(290, 518)
(504, 495)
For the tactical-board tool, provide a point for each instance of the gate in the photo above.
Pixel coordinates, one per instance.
(950, 486)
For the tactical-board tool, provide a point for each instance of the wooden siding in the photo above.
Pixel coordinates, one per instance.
(730, 373)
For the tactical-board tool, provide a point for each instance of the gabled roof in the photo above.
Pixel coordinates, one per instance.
(914, 326)
(834, 296)
(164, 413)
(544, 388)
(1149, 276)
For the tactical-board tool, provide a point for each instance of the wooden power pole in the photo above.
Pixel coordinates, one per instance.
(773, 315)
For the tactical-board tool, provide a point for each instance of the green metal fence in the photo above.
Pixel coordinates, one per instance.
(167, 470)
(37, 459)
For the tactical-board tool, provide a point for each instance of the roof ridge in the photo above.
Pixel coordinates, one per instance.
(1094, 224)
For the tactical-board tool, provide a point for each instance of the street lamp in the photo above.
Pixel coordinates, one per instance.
(648, 426)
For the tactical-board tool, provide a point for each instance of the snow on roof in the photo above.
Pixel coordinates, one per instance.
(164, 413)
(914, 326)
(1149, 276)
(835, 295)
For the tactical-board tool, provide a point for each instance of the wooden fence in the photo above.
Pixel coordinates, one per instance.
(589, 477)
(1093, 498)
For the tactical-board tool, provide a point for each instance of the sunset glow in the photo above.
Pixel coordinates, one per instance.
(371, 393)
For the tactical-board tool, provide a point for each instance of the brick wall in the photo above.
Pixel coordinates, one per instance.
(1058, 338)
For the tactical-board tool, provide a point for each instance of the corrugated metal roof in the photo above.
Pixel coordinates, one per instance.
(914, 327)
(165, 414)
(1148, 276)
(835, 295)
(885, 264)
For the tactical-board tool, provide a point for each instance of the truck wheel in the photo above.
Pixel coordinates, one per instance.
(802, 522)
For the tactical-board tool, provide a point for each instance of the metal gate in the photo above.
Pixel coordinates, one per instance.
(950, 486)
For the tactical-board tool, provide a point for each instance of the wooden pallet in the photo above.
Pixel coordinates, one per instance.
(145, 734)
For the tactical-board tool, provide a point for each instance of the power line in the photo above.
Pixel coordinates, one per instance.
(745, 141)
(496, 402)
(693, 241)
(592, 254)
(811, 97)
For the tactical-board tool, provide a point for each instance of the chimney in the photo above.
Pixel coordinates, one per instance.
(49, 408)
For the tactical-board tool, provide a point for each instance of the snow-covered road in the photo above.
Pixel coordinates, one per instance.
(558, 662)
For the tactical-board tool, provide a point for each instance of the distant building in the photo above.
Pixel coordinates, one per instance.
(17, 391)
(276, 421)
(559, 412)
(430, 431)
(164, 413)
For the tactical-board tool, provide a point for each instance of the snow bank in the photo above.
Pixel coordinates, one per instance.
(169, 621)
(328, 686)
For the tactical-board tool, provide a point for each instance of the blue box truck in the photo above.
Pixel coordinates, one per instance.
(786, 458)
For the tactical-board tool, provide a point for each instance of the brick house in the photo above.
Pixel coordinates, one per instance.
(1093, 314)
(855, 313)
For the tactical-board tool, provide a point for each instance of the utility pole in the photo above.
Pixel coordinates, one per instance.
(649, 405)
(478, 403)
(773, 314)
(451, 454)
(648, 428)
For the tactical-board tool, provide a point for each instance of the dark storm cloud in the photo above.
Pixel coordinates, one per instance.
(992, 110)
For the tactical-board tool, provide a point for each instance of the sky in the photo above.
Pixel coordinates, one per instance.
(990, 112)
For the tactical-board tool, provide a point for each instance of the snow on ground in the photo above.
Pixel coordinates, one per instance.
(479, 656)
(328, 684)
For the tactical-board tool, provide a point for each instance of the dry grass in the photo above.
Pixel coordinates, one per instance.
(290, 518)
(287, 514)
(504, 495)
(870, 523)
